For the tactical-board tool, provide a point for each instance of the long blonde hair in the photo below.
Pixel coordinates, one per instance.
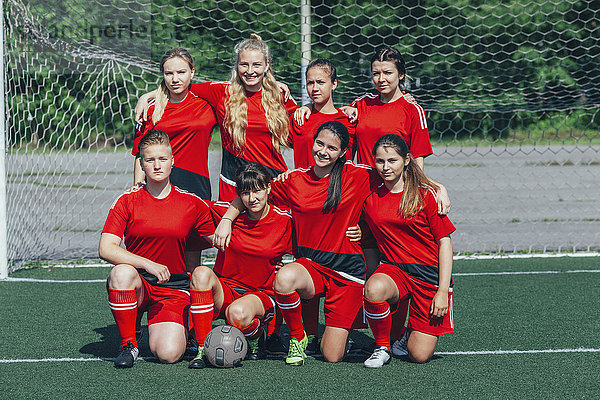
(162, 95)
(236, 108)
(413, 176)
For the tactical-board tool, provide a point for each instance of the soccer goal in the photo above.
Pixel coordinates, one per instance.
(511, 92)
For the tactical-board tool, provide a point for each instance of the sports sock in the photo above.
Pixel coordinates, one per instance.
(123, 305)
(202, 310)
(310, 315)
(275, 323)
(289, 304)
(398, 320)
(252, 331)
(378, 315)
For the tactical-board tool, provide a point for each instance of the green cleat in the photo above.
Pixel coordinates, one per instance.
(198, 362)
(296, 355)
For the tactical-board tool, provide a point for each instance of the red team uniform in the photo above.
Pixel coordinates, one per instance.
(157, 229)
(258, 148)
(189, 125)
(336, 264)
(400, 117)
(248, 264)
(302, 137)
(410, 254)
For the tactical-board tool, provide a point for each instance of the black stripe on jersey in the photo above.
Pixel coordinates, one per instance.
(351, 264)
(176, 281)
(423, 272)
(191, 182)
(231, 163)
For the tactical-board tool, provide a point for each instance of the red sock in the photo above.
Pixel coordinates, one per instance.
(378, 315)
(274, 324)
(310, 315)
(202, 310)
(123, 305)
(398, 320)
(289, 304)
(252, 331)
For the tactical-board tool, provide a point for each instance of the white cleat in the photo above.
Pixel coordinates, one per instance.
(380, 357)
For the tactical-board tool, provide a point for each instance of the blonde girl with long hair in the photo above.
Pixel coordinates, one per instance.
(251, 111)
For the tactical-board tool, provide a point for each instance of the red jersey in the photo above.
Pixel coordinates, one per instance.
(258, 147)
(255, 249)
(302, 137)
(158, 229)
(400, 117)
(411, 244)
(189, 125)
(322, 237)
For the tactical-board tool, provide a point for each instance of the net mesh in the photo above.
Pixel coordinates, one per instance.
(511, 91)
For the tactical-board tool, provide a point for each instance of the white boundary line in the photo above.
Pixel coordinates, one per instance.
(505, 273)
(442, 353)
(458, 257)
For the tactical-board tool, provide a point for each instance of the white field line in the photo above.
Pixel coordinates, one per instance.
(527, 255)
(574, 271)
(444, 353)
(458, 257)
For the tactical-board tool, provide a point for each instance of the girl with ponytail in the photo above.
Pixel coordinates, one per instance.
(325, 200)
(416, 255)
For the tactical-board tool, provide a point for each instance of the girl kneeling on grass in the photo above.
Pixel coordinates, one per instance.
(156, 220)
(416, 255)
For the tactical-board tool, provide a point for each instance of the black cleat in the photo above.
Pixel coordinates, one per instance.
(127, 356)
(198, 362)
(314, 346)
(191, 347)
(274, 345)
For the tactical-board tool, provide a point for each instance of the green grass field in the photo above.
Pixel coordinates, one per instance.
(531, 332)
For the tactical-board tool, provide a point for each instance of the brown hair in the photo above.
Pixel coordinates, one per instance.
(413, 176)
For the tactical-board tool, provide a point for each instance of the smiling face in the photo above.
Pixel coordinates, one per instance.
(327, 149)
(252, 67)
(385, 77)
(390, 165)
(157, 162)
(319, 85)
(178, 75)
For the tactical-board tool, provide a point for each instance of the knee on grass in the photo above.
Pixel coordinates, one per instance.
(169, 353)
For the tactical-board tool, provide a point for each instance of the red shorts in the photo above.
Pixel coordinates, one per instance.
(164, 304)
(421, 294)
(230, 295)
(343, 297)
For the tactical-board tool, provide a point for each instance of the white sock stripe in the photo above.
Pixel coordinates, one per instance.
(379, 315)
(124, 308)
(122, 304)
(287, 306)
(253, 332)
(202, 309)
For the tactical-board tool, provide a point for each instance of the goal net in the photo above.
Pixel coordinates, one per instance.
(511, 90)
